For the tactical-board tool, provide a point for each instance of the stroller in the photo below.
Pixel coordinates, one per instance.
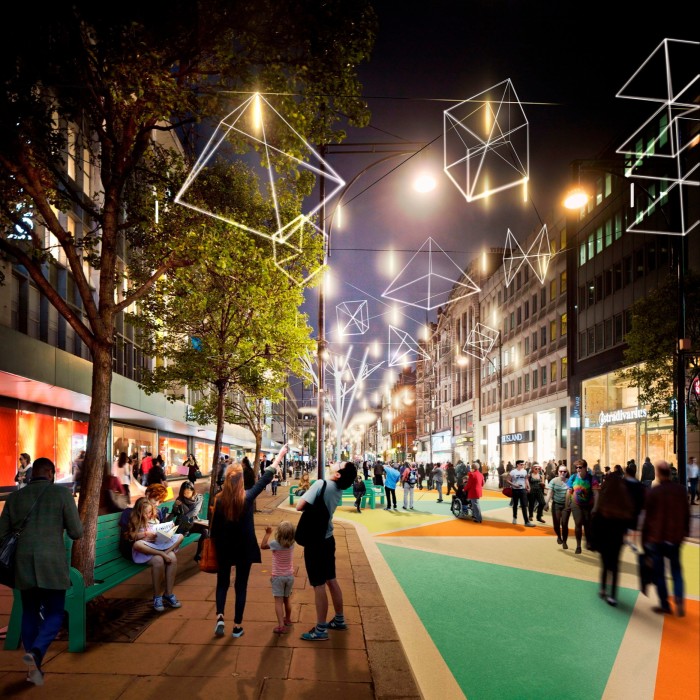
(461, 506)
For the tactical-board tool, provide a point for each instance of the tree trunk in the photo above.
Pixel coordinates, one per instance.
(258, 448)
(95, 459)
(220, 413)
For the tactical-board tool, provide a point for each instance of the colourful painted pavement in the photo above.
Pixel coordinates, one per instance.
(500, 611)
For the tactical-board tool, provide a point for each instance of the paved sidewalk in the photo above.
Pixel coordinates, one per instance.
(177, 655)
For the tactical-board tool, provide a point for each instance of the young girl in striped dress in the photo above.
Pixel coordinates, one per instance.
(282, 578)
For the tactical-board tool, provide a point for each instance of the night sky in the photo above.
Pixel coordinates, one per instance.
(565, 60)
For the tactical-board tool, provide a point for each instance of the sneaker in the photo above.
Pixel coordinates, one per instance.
(387, 509)
(564, 545)
(578, 550)
(172, 601)
(660, 610)
(515, 521)
(314, 635)
(541, 520)
(237, 632)
(529, 523)
(335, 625)
(404, 507)
(158, 603)
(219, 629)
(611, 601)
(559, 540)
(395, 508)
(34, 674)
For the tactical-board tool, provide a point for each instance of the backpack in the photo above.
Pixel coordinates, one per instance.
(313, 524)
(412, 478)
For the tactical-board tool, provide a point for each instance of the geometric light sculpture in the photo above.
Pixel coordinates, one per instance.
(669, 79)
(430, 279)
(260, 125)
(353, 317)
(486, 143)
(537, 257)
(480, 341)
(403, 348)
(288, 245)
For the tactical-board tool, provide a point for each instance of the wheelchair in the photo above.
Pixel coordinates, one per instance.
(461, 506)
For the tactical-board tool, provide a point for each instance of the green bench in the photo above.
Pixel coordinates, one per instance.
(372, 493)
(111, 569)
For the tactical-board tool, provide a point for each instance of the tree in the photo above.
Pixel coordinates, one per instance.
(229, 320)
(85, 110)
(652, 340)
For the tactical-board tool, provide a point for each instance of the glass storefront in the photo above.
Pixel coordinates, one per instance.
(173, 450)
(42, 434)
(129, 439)
(615, 428)
(546, 436)
(204, 454)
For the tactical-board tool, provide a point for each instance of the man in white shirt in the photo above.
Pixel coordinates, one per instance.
(519, 481)
(692, 471)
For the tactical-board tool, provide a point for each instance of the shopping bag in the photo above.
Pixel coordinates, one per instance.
(209, 562)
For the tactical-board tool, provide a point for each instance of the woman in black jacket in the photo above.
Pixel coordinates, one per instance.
(185, 514)
(233, 532)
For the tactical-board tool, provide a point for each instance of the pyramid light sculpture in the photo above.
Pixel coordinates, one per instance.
(432, 283)
(486, 142)
(346, 382)
(288, 246)
(668, 78)
(249, 122)
(538, 256)
(480, 341)
(403, 348)
(353, 317)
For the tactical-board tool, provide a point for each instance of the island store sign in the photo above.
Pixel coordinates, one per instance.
(525, 436)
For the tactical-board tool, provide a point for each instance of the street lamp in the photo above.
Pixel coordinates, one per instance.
(393, 150)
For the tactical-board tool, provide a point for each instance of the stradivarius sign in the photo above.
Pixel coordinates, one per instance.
(621, 416)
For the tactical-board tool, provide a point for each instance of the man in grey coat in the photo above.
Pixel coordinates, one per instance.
(41, 569)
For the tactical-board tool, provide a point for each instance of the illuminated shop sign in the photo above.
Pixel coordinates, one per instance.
(525, 436)
(621, 416)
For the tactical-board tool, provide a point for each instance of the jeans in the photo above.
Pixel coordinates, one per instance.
(693, 489)
(240, 587)
(520, 497)
(535, 497)
(273, 486)
(407, 496)
(438, 488)
(390, 493)
(476, 510)
(660, 551)
(612, 535)
(42, 617)
(560, 520)
(358, 500)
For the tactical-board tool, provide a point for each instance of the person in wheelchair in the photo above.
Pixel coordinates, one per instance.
(461, 498)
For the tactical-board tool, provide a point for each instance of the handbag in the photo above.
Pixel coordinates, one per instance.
(313, 524)
(507, 492)
(209, 562)
(8, 549)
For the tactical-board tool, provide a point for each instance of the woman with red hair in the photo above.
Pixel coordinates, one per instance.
(233, 532)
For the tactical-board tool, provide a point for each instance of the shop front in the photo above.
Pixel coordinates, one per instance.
(40, 431)
(132, 439)
(616, 429)
(173, 450)
(463, 440)
(442, 447)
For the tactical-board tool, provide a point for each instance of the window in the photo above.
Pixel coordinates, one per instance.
(72, 152)
(608, 332)
(582, 255)
(598, 337)
(591, 293)
(553, 372)
(639, 263)
(527, 382)
(543, 375)
(582, 345)
(519, 315)
(534, 304)
(608, 233)
(628, 320)
(520, 385)
(617, 329)
(607, 283)
(86, 171)
(499, 297)
(505, 390)
(543, 298)
(562, 239)
(518, 280)
(512, 320)
(534, 342)
(535, 377)
(562, 325)
(627, 270)
(590, 341)
(562, 283)
(543, 336)
(617, 277)
(552, 331)
(564, 367)
(591, 246)
(552, 290)
(599, 288)
(582, 297)
(527, 346)
(599, 240)
(512, 388)
(526, 307)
